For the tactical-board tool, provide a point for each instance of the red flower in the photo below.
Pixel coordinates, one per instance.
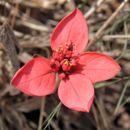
(77, 70)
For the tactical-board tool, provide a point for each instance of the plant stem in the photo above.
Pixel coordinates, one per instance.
(41, 113)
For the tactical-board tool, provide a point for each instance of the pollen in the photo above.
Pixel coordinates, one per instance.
(66, 62)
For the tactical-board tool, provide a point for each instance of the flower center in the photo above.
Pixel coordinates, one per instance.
(64, 59)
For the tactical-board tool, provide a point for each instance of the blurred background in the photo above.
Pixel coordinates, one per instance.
(25, 29)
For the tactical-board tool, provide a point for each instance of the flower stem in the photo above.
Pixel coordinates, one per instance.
(41, 113)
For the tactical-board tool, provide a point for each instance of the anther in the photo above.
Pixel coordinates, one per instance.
(55, 65)
(66, 65)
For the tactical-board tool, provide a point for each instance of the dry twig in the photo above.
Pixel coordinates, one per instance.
(9, 40)
(100, 32)
(93, 9)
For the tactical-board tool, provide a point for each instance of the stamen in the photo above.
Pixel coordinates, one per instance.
(66, 65)
(62, 75)
(55, 65)
(64, 58)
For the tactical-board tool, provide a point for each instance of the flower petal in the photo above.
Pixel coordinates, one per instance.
(76, 92)
(98, 67)
(72, 28)
(35, 78)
